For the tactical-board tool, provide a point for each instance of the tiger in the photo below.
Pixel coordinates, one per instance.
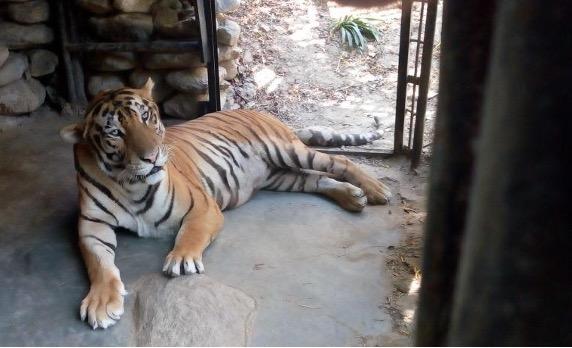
(135, 174)
(329, 137)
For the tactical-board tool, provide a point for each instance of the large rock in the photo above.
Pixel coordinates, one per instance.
(224, 6)
(226, 52)
(21, 97)
(133, 5)
(103, 82)
(18, 36)
(123, 27)
(13, 68)
(185, 106)
(174, 23)
(161, 90)
(173, 60)
(190, 311)
(96, 6)
(42, 62)
(228, 32)
(112, 61)
(4, 53)
(172, 4)
(34, 11)
(231, 69)
(191, 80)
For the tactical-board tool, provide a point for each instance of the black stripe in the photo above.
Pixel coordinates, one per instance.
(233, 194)
(278, 182)
(219, 149)
(81, 216)
(294, 156)
(100, 187)
(191, 206)
(169, 210)
(145, 196)
(98, 203)
(210, 183)
(220, 170)
(310, 158)
(337, 140)
(150, 199)
(229, 142)
(293, 183)
(270, 185)
(109, 245)
(235, 130)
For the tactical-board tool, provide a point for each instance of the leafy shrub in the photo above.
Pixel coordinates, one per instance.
(354, 32)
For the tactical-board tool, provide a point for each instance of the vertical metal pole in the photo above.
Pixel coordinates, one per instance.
(402, 75)
(72, 95)
(207, 24)
(76, 63)
(424, 83)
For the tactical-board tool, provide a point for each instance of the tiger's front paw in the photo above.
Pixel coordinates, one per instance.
(103, 305)
(180, 262)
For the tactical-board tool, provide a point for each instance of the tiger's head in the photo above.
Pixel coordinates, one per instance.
(125, 133)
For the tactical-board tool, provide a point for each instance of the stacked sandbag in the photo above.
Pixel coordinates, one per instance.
(26, 61)
(181, 82)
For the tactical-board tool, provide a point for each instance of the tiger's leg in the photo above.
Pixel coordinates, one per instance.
(348, 196)
(341, 168)
(198, 230)
(103, 305)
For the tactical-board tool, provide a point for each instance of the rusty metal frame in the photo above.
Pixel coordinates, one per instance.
(419, 81)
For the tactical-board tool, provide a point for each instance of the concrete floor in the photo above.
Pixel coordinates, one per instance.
(316, 272)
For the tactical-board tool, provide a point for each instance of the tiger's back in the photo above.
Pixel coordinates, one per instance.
(232, 152)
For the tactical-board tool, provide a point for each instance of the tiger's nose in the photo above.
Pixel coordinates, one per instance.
(150, 157)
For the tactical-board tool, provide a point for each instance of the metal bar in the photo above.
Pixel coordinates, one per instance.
(79, 80)
(358, 152)
(402, 76)
(151, 46)
(413, 79)
(414, 101)
(424, 86)
(209, 52)
(72, 96)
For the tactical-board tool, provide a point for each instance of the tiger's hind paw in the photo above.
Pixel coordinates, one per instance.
(376, 192)
(353, 198)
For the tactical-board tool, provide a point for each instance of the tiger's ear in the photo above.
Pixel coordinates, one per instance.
(72, 134)
(147, 89)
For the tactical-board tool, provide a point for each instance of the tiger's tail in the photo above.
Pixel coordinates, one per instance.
(328, 137)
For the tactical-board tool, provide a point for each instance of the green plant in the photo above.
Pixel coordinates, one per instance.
(354, 32)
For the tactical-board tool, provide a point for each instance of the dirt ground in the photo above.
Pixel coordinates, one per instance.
(294, 67)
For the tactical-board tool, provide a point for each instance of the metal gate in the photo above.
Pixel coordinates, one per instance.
(415, 85)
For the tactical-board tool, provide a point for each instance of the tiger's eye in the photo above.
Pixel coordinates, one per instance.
(115, 132)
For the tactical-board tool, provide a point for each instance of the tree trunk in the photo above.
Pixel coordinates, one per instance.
(466, 38)
(514, 285)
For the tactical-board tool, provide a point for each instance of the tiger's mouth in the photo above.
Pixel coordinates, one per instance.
(154, 170)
